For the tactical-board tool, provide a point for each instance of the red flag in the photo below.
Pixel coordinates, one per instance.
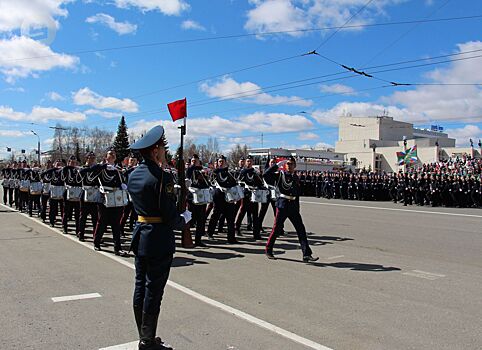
(178, 109)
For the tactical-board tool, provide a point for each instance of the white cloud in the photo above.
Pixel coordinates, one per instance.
(41, 114)
(120, 28)
(361, 109)
(87, 97)
(275, 122)
(338, 89)
(228, 88)
(285, 15)
(49, 141)
(104, 114)
(13, 133)
(35, 14)
(425, 104)
(447, 102)
(308, 136)
(167, 7)
(217, 126)
(190, 24)
(463, 135)
(14, 89)
(14, 49)
(54, 96)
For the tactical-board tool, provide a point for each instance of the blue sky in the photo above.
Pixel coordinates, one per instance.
(78, 88)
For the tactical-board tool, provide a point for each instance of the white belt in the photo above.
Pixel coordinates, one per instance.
(291, 198)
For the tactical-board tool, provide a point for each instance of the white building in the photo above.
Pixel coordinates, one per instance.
(306, 159)
(373, 143)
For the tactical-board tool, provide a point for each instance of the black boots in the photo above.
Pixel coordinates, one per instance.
(147, 327)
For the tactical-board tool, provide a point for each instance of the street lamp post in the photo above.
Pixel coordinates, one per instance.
(38, 146)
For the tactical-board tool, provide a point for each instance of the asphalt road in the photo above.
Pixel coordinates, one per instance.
(389, 277)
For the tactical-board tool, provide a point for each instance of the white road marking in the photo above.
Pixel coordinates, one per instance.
(423, 274)
(395, 209)
(238, 313)
(127, 346)
(76, 297)
(335, 257)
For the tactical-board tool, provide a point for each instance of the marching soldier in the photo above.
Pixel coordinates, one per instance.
(57, 190)
(252, 181)
(288, 207)
(225, 181)
(6, 183)
(195, 174)
(35, 190)
(128, 211)
(91, 195)
(73, 183)
(153, 242)
(110, 210)
(45, 178)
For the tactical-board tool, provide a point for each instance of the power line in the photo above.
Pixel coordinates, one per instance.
(236, 36)
(343, 26)
(393, 43)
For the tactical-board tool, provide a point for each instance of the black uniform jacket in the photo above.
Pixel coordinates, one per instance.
(288, 184)
(152, 194)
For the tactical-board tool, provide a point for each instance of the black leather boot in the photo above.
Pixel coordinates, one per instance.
(138, 317)
(148, 334)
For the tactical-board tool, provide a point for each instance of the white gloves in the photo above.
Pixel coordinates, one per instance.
(124, 186)
(187, 216)
(281, 163)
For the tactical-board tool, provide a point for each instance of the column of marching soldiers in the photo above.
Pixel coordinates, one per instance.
(433, 185)
(66, 191)
(73, 192)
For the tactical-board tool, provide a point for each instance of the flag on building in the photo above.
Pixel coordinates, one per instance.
(178, 109)
(401, 158)
(411, 156)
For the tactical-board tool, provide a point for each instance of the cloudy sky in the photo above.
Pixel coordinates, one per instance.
(241, 65)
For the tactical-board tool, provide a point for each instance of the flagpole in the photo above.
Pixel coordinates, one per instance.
(186, 239)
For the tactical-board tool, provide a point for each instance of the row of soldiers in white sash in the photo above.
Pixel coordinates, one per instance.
(99, 191)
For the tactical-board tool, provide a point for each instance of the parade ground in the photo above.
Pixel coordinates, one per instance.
(389, 277)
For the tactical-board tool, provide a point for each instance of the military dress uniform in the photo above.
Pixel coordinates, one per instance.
(198, 181)
(110, 179)
(128, 211)
(55, 204)
(288, 207)
(251, 180)
(221, 207)
(6, 184)
(153, 242)
(34, 198)
(87, 207)
(72, 178)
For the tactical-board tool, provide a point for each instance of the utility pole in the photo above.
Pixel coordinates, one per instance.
(262, 143)
(38, 146)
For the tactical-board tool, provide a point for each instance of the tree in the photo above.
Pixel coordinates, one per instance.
(121, 141)
(237, 152)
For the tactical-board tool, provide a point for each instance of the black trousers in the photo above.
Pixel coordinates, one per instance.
(128, 212)
(199, 217)
(5, 195)
(228, 210)
(23, 200)
(152, 274)
(86, 209)
(34, 200)
(251, 208)
(108, 216)
(69, 208)
(44, 199)
(11, 199)
(54, 205)
(292, 212)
